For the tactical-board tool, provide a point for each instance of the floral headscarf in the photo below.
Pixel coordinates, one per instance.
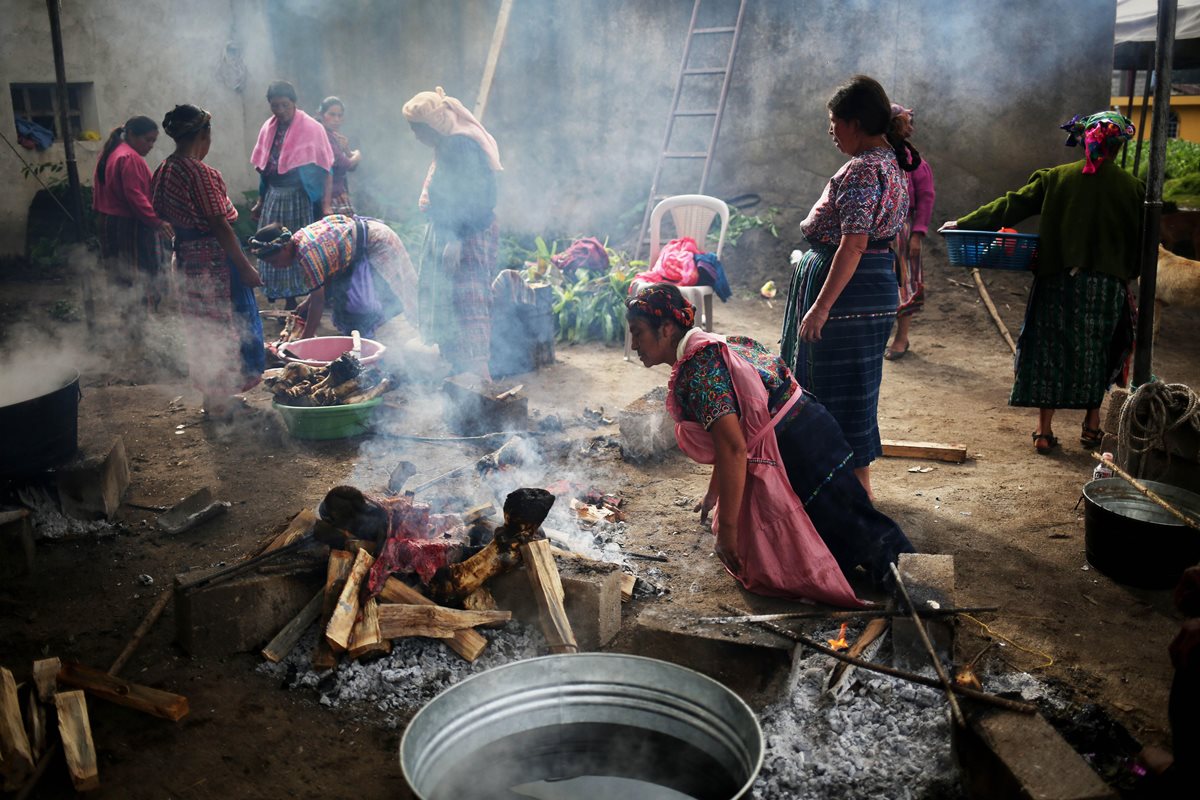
(1102, 134)
(658, 303)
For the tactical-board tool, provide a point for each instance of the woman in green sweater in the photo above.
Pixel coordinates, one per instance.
(1078, 330)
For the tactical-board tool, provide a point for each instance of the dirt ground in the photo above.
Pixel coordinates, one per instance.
(1007, 515)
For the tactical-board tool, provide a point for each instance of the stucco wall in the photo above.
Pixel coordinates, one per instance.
(142, 58)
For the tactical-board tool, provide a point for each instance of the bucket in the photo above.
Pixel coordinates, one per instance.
(328, 422)
(41, 432)
(1133, 540)
(322, 350)
(591, 725)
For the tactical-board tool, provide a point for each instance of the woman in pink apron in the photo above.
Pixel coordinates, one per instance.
(796, 520)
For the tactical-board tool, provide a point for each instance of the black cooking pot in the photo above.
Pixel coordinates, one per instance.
(40, 433)
(1133, 540)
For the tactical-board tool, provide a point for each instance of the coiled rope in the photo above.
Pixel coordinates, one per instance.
(1148, 416)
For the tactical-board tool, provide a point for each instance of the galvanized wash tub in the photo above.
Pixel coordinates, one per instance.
(592, 725)
(1134, 541)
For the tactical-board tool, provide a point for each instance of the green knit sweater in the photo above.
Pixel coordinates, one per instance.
(1089, 222)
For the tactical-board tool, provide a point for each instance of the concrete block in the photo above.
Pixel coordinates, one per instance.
(474, 410)
(647, 430)
(591, 598)
(1006, 754)
(92, 487)
(929, 578)
(16, 543)
(242, 613)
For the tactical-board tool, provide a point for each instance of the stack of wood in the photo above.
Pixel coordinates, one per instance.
(27, 743)
(343, 382)
(356, 624)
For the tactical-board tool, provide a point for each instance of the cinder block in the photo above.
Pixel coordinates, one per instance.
(242, 613)
(591, 598)
(647, 430)
(1007, 754)
(92, 487)
(929, 578)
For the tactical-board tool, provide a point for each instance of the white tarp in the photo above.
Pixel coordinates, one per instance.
(1137, 20)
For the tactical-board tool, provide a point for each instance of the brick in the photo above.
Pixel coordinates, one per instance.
(591, 598)
(646, 429)
(242, 613)
(92, 487)
(1006, 754)
(928, 577)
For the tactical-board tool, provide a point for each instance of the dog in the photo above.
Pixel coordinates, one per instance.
(1178, 284)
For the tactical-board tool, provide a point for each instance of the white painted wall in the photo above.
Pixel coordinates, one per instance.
(142, 58)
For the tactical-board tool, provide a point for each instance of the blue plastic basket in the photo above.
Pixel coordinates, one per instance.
(991, 250)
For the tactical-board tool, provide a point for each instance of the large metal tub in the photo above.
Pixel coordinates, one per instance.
(1133, 540)
(589, 726)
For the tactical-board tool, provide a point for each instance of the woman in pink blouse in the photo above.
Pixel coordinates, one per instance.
(843, 295)
(129, 229)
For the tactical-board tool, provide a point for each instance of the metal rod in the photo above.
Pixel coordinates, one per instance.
(841, 615)
(947, 684)
(911, 677)
(75, 195)
(1144, 355)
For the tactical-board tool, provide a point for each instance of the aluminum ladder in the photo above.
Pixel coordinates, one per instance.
(667, 154)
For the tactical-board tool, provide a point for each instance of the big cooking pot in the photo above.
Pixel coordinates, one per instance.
(1133, 540)
(40, 432)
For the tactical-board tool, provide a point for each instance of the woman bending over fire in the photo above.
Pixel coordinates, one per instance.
(796, 520)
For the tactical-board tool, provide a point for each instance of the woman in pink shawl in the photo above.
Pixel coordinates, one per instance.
(294, 162)
(790, 517)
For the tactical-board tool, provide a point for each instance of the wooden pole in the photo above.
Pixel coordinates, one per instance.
(911, 677)
(947, 684)
(156, 611)
(489, 68)
(991, 307)
(75, 198)
(1145, 490)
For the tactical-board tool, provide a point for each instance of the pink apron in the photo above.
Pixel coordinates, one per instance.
(780, 552)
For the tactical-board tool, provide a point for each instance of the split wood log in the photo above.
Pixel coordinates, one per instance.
(340, 562)
(367, 639)
(278, 648)
(345, 611)
(156, 611)
(548, 591)
(524, 512)
(415, 619)
(483, 600)
(45, 677)
(16, 759)
(947, 684)
(35, 714)
(1150, 495)
(300, 525)
(911, 677)
(933, 451)
(76, 733)
(842, 671)
(628, 582)
(991, 307)
(468, 643)
(156, 702)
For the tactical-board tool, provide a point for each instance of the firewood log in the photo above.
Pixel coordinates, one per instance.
(468, 643)
(76, 734)
(345, 612)
(399, 620)
(16, 759)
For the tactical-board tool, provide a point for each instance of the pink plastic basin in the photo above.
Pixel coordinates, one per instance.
(321, 350)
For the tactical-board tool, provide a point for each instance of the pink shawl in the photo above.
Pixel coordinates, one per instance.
(305, 142)
(780, 551)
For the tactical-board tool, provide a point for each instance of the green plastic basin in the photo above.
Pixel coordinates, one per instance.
(328, 422)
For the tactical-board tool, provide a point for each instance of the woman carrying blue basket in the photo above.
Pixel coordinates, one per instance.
(1079, 321)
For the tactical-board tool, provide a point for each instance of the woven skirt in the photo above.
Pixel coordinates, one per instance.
(1075, 343)
(844, 369)
(455, 300)
(291, 207)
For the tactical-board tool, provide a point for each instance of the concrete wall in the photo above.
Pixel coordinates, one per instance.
(583, 88)
(142, 58)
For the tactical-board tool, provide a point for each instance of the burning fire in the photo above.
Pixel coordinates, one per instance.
(840, 642)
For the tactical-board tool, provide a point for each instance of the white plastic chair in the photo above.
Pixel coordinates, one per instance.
(692, 215)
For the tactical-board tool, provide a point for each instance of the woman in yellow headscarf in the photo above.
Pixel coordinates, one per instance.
(459, 256)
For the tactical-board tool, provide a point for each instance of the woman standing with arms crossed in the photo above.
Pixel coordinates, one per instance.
(223, 331)
(843, 296)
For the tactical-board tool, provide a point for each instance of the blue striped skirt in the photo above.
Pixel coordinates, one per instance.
(844, 369)
(291, 207)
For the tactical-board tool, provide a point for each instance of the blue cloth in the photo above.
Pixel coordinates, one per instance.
(249, 323)
(28, 129)
(710, 265)
(845, 368)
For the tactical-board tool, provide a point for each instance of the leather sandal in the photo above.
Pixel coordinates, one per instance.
(1051, 442)
(1091, 437)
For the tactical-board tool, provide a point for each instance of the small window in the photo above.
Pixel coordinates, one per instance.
(1172, 125)
(39, 102)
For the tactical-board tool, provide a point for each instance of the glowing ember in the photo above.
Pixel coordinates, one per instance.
(840, 642)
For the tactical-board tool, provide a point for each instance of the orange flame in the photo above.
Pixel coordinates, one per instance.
(840, 642)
